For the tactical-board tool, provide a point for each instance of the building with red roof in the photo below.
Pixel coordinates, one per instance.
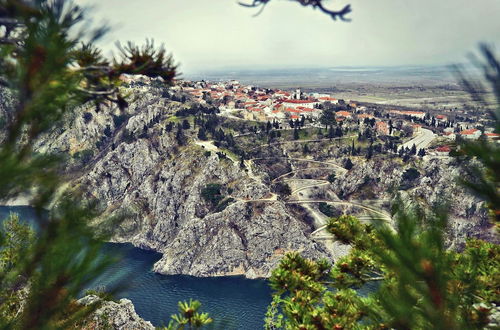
(471, 133)
(344, 114)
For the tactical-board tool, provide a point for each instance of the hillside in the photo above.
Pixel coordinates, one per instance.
(211, 212)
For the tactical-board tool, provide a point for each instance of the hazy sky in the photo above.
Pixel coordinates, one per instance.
(215, 34)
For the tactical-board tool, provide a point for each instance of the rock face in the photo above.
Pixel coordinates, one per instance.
(115, 315)
(138, 169)
(166, 213)
(134, 163)
(435, 183)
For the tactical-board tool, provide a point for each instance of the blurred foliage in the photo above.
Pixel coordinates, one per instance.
(315, 4)
(422, 285)
(484, 180)
(49, 72)
(189, 317)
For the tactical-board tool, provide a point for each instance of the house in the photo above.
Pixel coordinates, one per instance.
(416, 128)
(492, 136)
(344, 114)
(443, 150)
(449, 135)
(470, 134)
(415, 114)
(365, 115)
(328, 99)
(299, 103)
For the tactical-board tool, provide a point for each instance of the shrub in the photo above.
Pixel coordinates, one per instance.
(326, 209)
(282, 189)
(84, 156)
(87, 117)
(119, 120)
(212, 193)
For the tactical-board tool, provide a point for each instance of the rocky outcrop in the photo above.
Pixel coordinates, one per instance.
(165, 211)
(137, 169)
(133, 163)
(119, 315)
(435, 183)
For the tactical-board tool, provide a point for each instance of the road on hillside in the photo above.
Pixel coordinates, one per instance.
(421, 141)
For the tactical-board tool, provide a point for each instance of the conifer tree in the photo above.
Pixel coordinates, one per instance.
(48, 71)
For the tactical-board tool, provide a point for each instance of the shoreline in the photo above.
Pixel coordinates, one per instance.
(21, 200)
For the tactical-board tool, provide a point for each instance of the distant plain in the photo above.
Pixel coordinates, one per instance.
(433, 87)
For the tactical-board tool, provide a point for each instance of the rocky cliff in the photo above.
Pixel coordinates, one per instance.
(134, 165)
(119, 315)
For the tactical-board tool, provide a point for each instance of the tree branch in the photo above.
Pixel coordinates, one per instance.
(334, 14)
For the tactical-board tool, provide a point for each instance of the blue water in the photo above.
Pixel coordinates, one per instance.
(233, 302)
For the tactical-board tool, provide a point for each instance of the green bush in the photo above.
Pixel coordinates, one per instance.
(326, 209)
(212, 193)
(83, 156)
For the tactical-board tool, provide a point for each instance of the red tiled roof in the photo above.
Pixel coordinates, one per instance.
(343, 113)
(443, 149)
(469, 131)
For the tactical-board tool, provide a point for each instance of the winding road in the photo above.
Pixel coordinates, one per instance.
(299, 196)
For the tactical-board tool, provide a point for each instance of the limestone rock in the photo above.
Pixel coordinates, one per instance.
(117, 315)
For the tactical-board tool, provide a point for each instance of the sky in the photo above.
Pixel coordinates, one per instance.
(210, 35)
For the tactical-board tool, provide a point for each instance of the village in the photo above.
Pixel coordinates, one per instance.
(430, 130)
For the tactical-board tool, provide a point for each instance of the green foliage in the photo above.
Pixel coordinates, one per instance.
(328, 117)
(346, 228)
(212, 193)
(486, 179)
(282, 188)
(223, 204)
(118, 120)
(49, 74)
(326, 209)
(185, 124)
(422, 285)
(84, 155)
(189, 317)
(147, 59)
(302, 299)
(17, 239)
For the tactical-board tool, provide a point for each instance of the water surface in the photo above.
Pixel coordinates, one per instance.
(233, 302)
